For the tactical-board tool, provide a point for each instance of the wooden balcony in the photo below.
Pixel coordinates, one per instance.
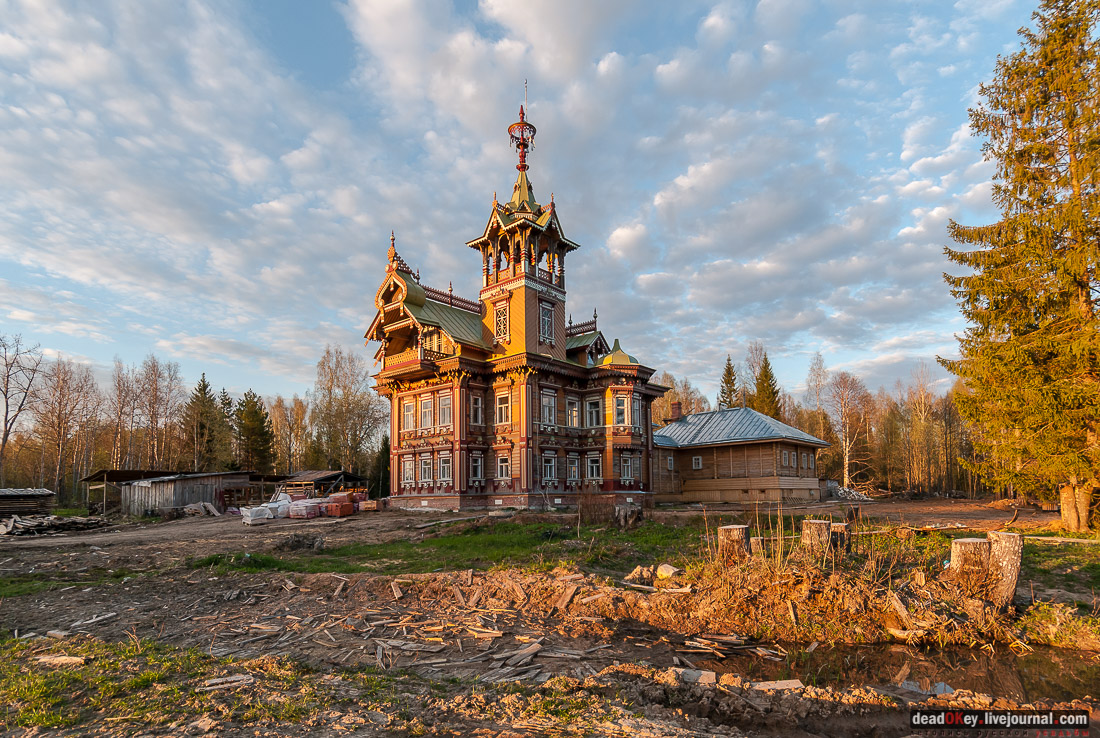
(414, 361)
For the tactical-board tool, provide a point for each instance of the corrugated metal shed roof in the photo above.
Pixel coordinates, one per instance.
(461, 325)
(733, 425)
(14, 492)
(584, 339)
(186, 475)
(323, 475)
(125, 475)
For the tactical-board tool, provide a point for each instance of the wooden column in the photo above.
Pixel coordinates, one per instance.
(816, 535)
(733, 542)
(1004, 561)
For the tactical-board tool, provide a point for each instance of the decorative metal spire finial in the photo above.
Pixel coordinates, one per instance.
(522, 135)
(393, 249)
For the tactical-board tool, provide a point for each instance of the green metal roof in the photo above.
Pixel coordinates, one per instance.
(580, 341)
(461, 325)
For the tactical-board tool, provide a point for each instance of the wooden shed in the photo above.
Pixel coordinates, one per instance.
(158, 495)
(25, 501)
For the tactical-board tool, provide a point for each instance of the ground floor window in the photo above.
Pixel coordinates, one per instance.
(696, 462)
(595, 470)
(476, 469)
(504, 467)
(445, 468)
(574, 468)
(549, 468)
(627, 467)
(426, 469)
(408, 470)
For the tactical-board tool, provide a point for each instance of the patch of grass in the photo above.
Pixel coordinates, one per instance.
(70, 512)
(139, 682)
(1058, 624)
(1068, 566)
(23, 584)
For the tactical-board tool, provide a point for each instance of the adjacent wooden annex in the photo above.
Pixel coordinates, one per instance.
(734, 455)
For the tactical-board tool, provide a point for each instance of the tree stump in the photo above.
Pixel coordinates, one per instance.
(1004, 563)
(816, 535)
(733, 542)
(970, 564)
(838, 536)
(756, 545)
(627, 516)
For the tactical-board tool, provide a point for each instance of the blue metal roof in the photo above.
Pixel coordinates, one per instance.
(733, 425)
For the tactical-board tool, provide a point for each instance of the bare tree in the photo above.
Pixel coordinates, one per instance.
(816, 379)
(290, 420)
(68, 389)
(347, 414)
(18, 374)
(160, 395)
(847, 397)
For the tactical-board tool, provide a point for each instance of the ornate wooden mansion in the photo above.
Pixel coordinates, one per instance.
(500, 401)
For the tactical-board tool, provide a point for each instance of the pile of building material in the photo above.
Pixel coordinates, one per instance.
(846, 493)
(36, 525)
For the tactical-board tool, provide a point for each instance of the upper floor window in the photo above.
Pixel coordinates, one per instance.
(803, 459)
(572, 413)
(500, 322)
(620, 411)
(592, 412)
(426, 412)
(475, 410)
(408, 419)
(445, 410)
(549, 409)
(636, 411)
(504, 409)
(784, 458)
(812, 462)
(670, 462)
(546, 322)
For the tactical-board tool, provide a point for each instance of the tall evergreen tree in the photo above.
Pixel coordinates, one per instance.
(765, 398)
(255, 436)
(379, 474)
(727, 387)
(1031, 356)
(200, 420)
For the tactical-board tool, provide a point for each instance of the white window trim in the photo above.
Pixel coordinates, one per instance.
(481, 463)
(499, 333)
(507, 406)
(508, 462)
(476, 404)
(696, 463)
(599, 413)
(553, 398)
(670, 464)
(574, 403)
(546, 331)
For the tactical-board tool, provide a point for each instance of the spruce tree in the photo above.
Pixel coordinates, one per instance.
(765, 399)
(727, 388)
(255, 435)
(200, 427)
(1030, 357)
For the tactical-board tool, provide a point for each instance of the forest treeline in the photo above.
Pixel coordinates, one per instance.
(910, 437)
(60, 423)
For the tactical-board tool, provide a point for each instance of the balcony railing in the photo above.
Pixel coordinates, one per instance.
(414, 354)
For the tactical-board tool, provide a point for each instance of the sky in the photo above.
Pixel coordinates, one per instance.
(216, 182)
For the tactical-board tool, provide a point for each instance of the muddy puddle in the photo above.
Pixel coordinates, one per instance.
(1044, 674)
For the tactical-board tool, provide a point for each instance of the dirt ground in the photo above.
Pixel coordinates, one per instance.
(453, 629)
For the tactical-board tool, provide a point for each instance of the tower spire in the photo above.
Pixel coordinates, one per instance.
(522, 135)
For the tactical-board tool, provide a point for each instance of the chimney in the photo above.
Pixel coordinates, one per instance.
(676, 412)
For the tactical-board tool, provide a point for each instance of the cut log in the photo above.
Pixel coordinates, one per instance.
(627, 516)
(756, 545)
(733, 542)
(1004, 563)
(816, 535)
(970, 563)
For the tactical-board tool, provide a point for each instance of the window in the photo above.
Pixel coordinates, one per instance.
(572, 413)
(549, 468)
(500, 322)
(574, 468)
(594, 470)
(696, 462)
(408, 422)
(408, 470)
(549, 409)
(444, 409)
(784, 458)
(636, 412)
(504, 409)
(546, 322)
(803, 459)
(475, 410)
(426, 469)
(445, 468)
(812, 462)
(620, 411)
(627, 467)
(592, 411)
(504, 467)
(670, 462)
(477, 470)
(426, 412)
